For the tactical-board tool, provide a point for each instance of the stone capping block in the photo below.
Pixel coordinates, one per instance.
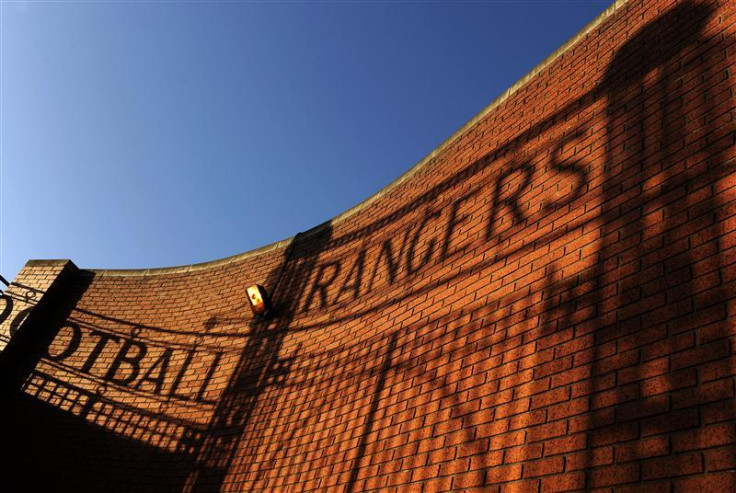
(32, 292)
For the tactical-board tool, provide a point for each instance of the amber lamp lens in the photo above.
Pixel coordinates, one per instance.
(255, 297)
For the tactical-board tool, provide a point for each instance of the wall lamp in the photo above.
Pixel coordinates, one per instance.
(260, 303)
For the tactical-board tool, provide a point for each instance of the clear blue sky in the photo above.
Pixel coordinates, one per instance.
(150, 134)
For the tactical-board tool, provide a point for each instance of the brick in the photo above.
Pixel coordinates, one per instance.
(468, 480)
(672, 466)
(565, 444)
(522, 453)
(699, 355)
(589, 458)
(641, 449)
(615, 396)
(703, 394)
(642, 407)
(669, 422)
(507, 440)
(429, 472)
(649, 486)
(570, 408)
(503, 474)
(669, 382)
(438, 484)
(546, 431)
(704, 437)
(717, 370)
(613, 475)
(725, 481)
(720, 458)
(719, 411)
(544, 467)
(563, 482)
(614, 434)
(473, 448)
(528, 419)
(525, 486)
(491, 459)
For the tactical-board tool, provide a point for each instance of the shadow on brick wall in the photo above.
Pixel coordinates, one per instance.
(660, 295)
(259, 367)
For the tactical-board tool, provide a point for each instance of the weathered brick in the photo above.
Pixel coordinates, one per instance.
(725, 481)
(670, 466)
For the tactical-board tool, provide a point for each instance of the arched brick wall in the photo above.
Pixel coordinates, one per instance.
(543, 304)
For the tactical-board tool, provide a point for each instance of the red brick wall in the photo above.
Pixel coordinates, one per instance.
(544, 305)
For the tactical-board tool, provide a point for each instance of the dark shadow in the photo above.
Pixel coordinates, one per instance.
(386, 367)
(59, 450)
(57, 436)
(259, 367)
(661, 306)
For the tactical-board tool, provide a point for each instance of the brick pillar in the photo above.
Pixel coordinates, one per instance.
(32, 295)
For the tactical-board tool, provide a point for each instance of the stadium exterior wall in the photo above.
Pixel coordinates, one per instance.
(542, 304)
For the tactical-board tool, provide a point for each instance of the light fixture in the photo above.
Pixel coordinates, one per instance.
(260, 303)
